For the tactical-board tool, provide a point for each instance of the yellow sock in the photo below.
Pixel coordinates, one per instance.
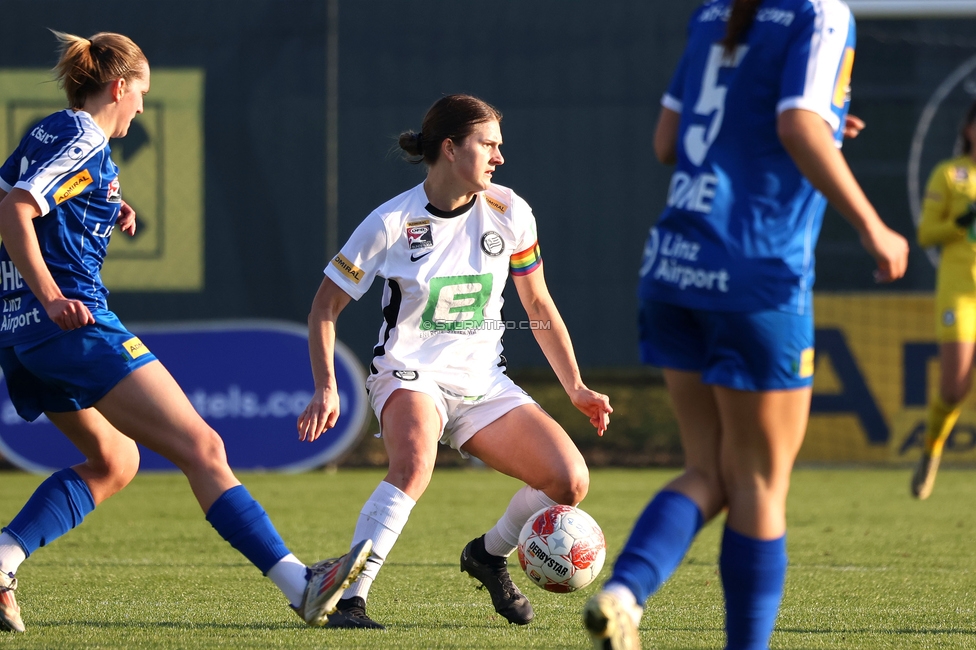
(941, 418)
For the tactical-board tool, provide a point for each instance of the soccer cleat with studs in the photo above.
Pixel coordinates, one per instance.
(609, 624)
(9, 610)
(351, 614)
(505, 596)
(327, 580)
(923, 480)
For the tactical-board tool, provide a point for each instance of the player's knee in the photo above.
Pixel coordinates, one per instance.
(709, 481)
(126, 466)
(205, 452)
(571, 485)
(954, 393)
(108, 474)
(411, 475)
(760, 486)
(579, 485)
(705, 486)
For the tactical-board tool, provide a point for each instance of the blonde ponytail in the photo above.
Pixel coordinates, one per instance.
(85, 65)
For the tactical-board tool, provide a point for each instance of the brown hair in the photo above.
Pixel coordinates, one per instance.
(87, 64)
(967, 144)
(740, 20)
(450, 118)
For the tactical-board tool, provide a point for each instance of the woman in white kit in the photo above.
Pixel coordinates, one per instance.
(445, 249)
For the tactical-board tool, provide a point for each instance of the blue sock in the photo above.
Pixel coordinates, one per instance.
(657, 544)
(241, 520)
(753, 573)
(57, 505)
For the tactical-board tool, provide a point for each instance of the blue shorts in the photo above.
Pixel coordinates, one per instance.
(72, 370)
(754, 351)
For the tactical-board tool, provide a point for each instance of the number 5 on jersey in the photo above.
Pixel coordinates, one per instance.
(711, 103)
(457, 303)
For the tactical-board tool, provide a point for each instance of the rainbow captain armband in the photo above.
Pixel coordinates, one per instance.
(527, 261)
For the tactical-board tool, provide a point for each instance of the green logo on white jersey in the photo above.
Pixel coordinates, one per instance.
(457, 303)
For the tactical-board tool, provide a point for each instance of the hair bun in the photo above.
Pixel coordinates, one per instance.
(413, 144)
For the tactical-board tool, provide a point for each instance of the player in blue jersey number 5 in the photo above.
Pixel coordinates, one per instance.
(446, 249)
(64, 354)
(753, 119)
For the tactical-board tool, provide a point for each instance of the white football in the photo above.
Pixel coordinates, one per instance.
(561, 549)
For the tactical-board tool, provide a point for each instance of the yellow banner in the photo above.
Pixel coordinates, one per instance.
(160, 172)
(876, 368)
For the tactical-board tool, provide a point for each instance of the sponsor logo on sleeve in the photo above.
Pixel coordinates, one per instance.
(962, 174)
(842, 91)
(498, 205)
(73, 186)
(405, 375)
(348, 269)
(419, 235)
(114, 192)
(135, 348)
(492, 243)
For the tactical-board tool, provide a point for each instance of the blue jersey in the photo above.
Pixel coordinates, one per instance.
(65, 163)
(741, 221)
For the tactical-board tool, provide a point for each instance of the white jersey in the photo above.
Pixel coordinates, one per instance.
(445, 275)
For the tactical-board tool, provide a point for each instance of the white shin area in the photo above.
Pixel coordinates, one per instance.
(381, 520)
(289, 576)
(627, 599)
(502, 539)
(11, 554)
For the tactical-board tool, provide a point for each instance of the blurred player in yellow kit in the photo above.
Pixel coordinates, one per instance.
(948, 216)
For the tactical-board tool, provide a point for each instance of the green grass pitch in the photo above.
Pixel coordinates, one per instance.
(869, 567)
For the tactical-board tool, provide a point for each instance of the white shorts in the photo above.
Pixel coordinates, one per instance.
(461, 416)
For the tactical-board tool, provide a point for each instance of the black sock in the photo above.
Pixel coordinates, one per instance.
(483, 556)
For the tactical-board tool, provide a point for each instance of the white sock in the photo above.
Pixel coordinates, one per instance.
(503, 538)
(11, 554)
(627, 599)
(382, 520)
(289, 575)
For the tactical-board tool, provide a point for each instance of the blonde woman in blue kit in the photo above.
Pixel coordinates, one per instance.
(64, 354)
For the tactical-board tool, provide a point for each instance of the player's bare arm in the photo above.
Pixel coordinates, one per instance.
(853, 125)
(323, 410)
(666, 136)
(558, 348)
(17, 211)
(808, 140)
(127, 219)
